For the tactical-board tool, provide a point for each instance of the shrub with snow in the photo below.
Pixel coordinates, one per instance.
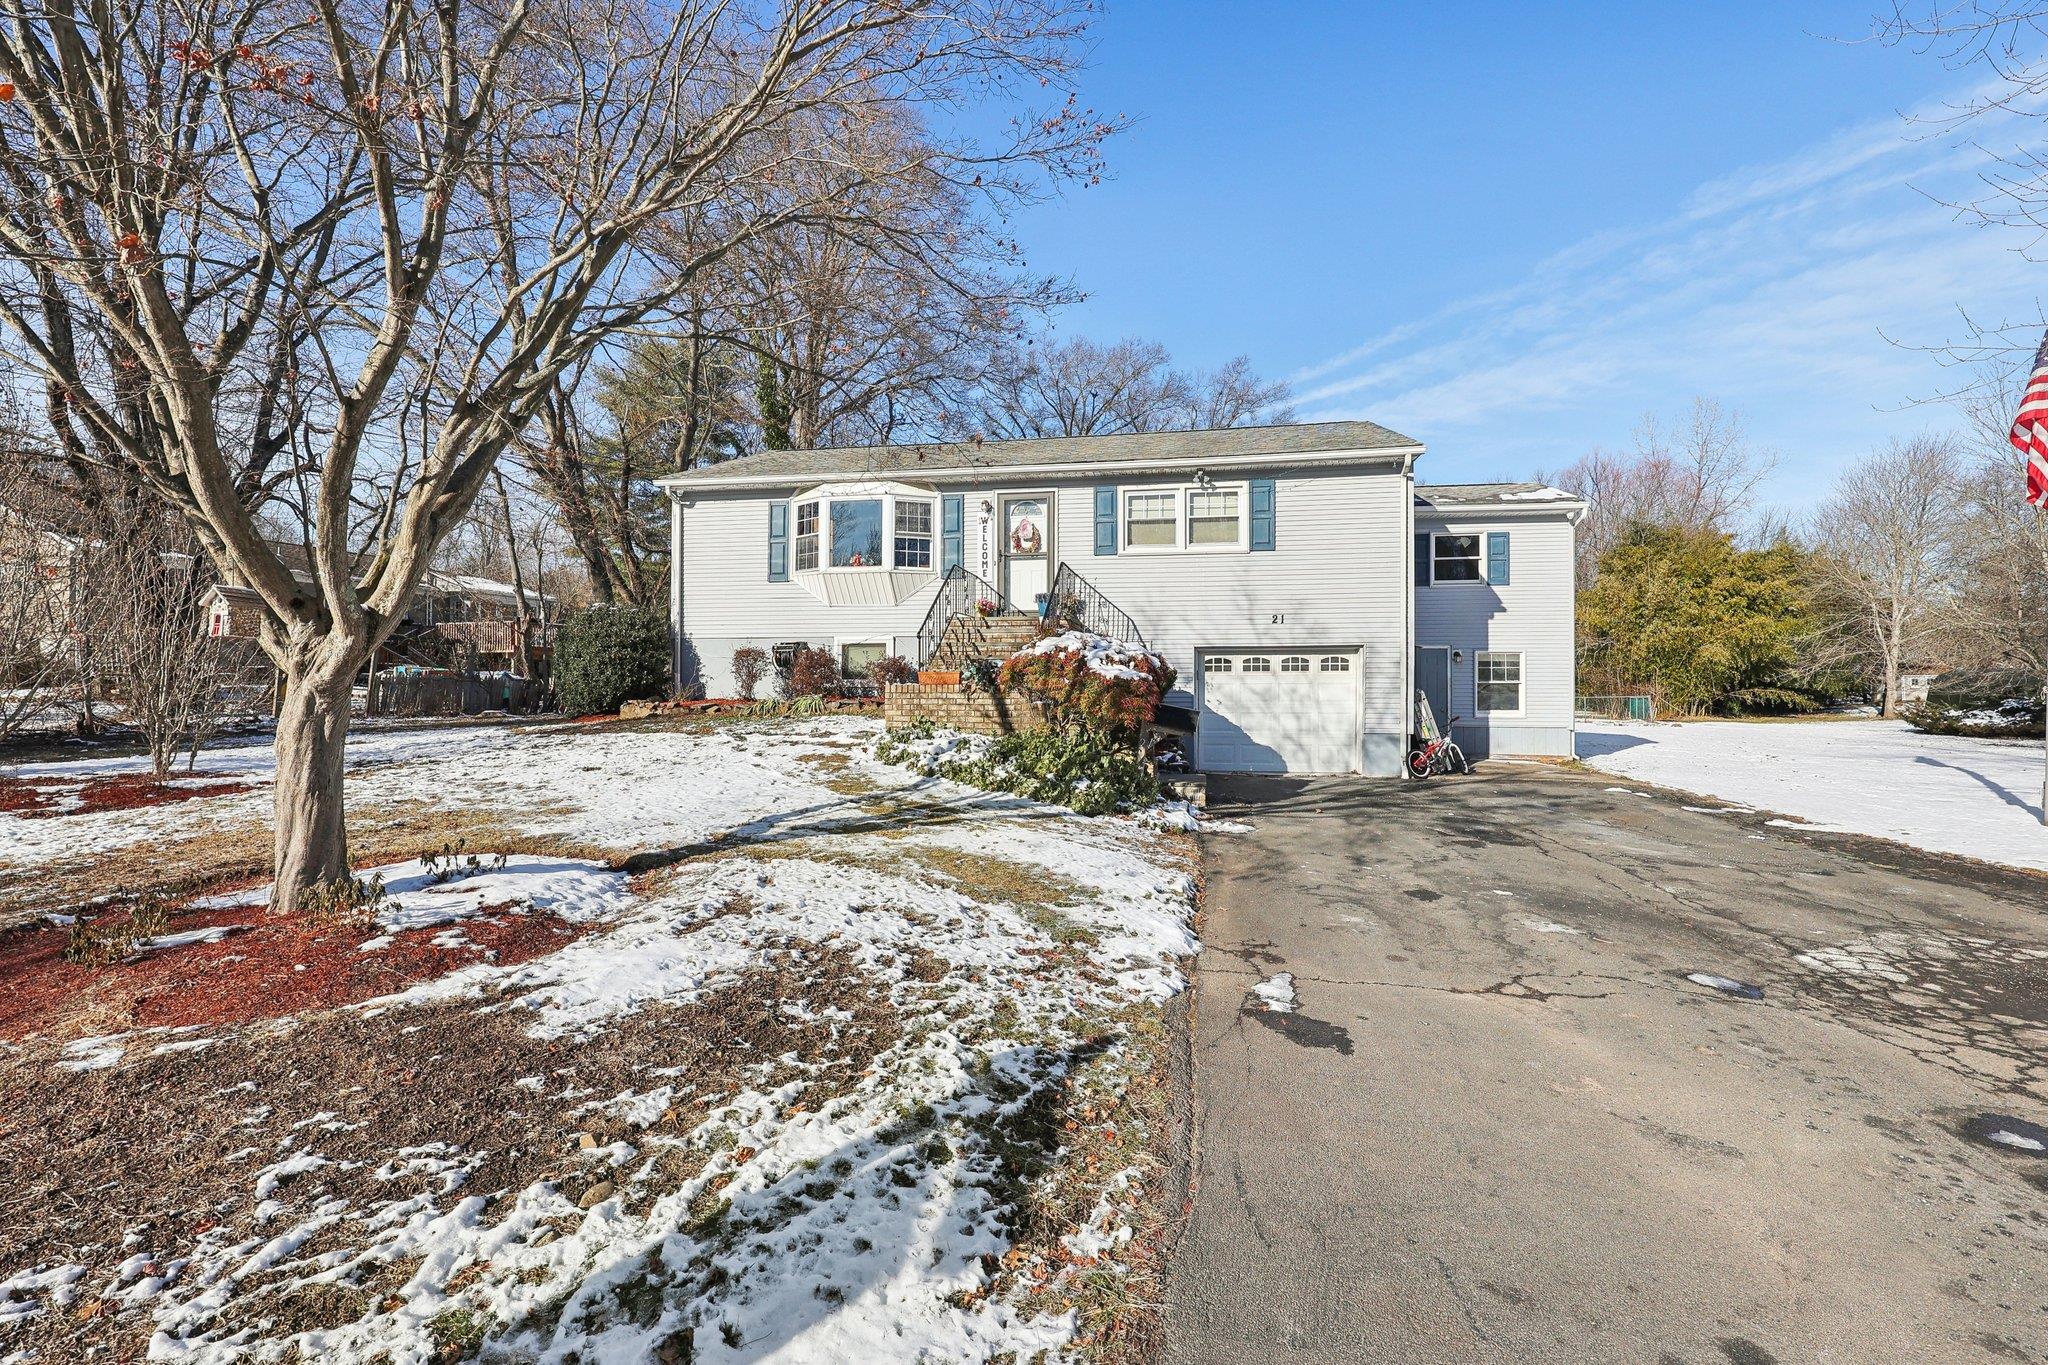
(1081, 768)
(2012, 718)
(1091, 680)
(607, 655)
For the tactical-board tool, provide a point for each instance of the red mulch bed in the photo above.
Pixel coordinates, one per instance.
(43, 797)
(274, 968)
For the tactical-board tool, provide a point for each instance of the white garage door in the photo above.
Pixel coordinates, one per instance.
(1283, 711)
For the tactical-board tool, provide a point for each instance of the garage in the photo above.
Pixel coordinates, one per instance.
(1278, 711)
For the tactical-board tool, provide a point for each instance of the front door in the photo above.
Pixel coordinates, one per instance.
(1433, 680)
(1027, 550)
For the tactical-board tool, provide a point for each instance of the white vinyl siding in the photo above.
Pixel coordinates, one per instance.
(1340, 578)
(1530, 616)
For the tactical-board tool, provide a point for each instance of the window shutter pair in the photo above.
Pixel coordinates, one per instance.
(1497, 558)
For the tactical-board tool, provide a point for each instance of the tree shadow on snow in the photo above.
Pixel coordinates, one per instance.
(1997, 789)
(877, 812)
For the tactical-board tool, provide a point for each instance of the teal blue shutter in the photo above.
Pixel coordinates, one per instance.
(1105, 519)
(952, 513)
(1422, 559)
(1497, 558)
(778, 542)
(1262, 514)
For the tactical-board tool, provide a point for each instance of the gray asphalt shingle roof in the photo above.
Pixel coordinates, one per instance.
(1490, 494)
(1311, 438)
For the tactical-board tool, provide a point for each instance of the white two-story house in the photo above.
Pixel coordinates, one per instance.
(1296, 576)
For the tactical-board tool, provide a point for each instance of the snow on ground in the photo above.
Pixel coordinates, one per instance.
(1976, 797)
(1276, 993)
(1043, 925)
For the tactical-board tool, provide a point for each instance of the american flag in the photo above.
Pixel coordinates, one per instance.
(2030, 429)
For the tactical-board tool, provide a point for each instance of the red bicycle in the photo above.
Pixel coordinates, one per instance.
(1437, 753)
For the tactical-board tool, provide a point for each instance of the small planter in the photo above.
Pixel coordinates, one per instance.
(939, 677)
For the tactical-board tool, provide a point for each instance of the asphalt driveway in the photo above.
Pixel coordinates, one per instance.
(1502, 1124)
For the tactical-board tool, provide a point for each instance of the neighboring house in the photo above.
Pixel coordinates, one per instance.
(448, 610)
(1915, 679)
(1274, 567)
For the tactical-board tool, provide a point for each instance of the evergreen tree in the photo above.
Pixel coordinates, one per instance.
(1696, 622)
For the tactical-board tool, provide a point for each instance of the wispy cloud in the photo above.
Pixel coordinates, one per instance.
(1783, 290)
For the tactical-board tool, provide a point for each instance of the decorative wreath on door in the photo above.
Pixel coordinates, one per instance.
(1025, 540)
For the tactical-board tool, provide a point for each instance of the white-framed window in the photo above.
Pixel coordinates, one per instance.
(1455, 559)
(913, 534)
(1497, 682)
(856, 533)
(1256, 664)
(1217, 518)
(1217, 663)
(1152, 519)
(807, 535)
(1335, 663)
(1193, 517)
(856, 659)
(1294, 663)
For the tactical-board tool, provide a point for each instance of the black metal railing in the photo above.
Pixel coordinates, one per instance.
(1074, 604)
(959, 593)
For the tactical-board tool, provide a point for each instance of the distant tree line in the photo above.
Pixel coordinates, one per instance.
(1922, 555)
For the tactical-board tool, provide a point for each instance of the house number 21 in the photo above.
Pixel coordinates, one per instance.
(1279, 618)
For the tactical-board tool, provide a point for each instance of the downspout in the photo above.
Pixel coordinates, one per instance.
(1406, 562)
(675, 593)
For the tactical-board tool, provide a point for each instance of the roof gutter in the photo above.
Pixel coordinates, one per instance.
(998, 474)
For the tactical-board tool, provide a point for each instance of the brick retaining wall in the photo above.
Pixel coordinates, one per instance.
(960, 708)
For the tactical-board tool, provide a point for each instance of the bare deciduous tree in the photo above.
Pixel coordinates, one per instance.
(1078, 388)
(402, 223)
(1999, 619)
(147, 613)
(1698, 474)
(1883, 556)
(36, 580)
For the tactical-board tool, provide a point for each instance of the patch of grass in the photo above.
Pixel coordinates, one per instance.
(101, 941)
(990, 877)
(459, 1333)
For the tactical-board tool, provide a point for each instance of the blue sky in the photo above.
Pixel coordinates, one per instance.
(1510, 231)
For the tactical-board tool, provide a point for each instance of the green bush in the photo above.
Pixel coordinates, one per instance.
(1768, 701)
(608, 655)
(1082, 769)
(2012, 718)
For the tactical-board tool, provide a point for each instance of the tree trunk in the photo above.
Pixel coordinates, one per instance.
(1891, 686)
(310, 852)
